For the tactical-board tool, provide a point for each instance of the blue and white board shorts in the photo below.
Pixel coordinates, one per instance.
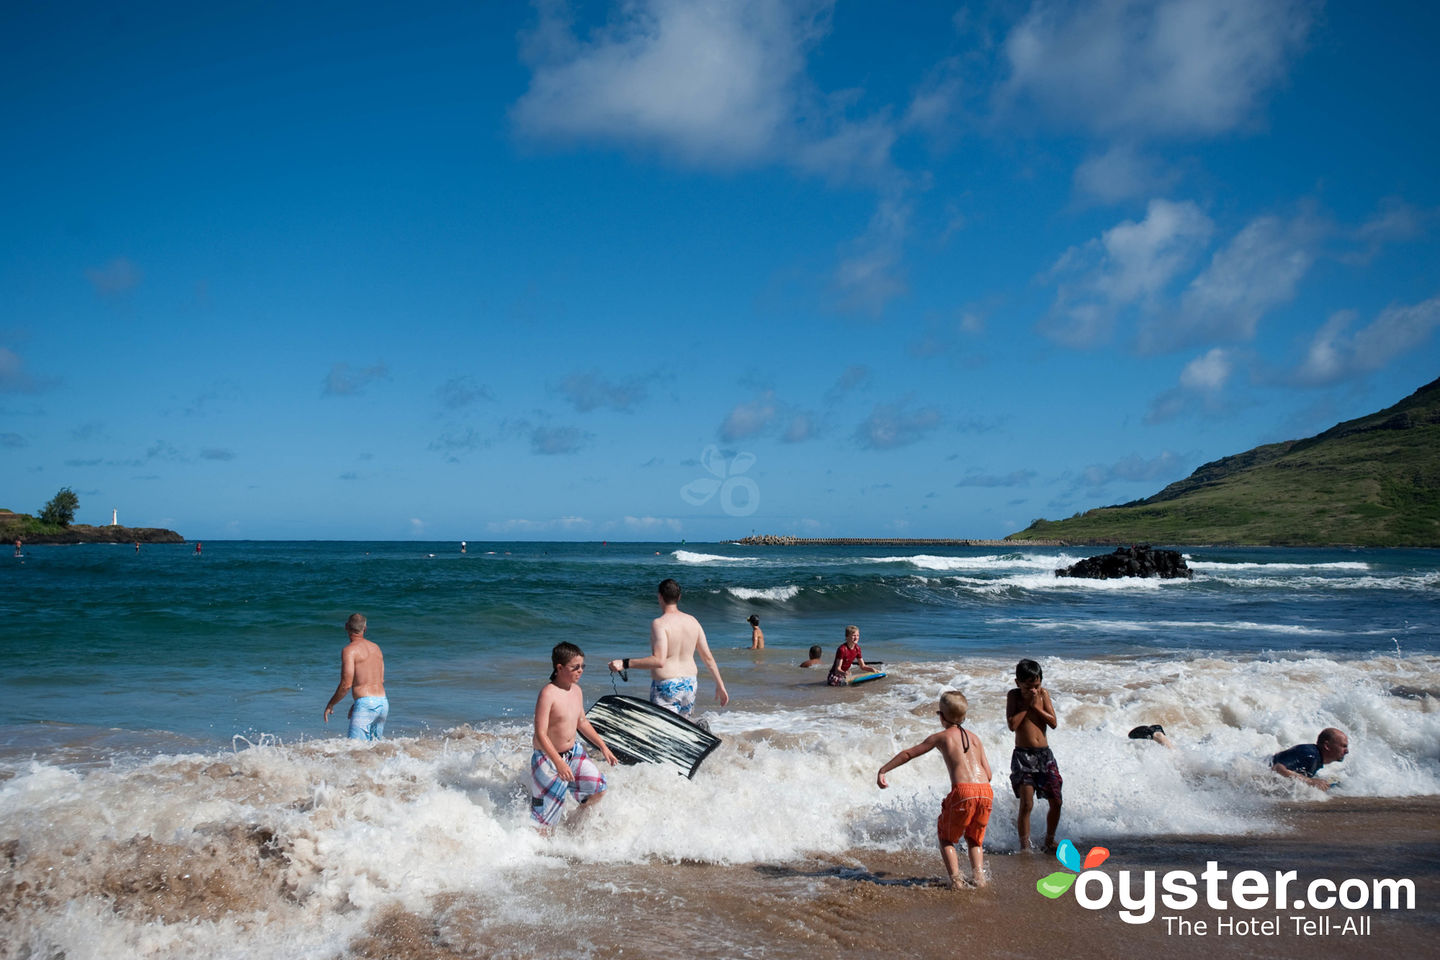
(367, 718)
(547, 790)
(676, 694)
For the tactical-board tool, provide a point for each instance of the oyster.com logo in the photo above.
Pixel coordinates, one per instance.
(1289, 904)
(1056, 884)
(739, 495)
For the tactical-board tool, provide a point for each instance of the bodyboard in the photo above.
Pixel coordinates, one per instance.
(637, 731)
(867, 677)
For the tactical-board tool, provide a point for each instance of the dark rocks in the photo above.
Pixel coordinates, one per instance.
(1130, 562)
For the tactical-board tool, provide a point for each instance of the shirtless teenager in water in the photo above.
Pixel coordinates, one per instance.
(676, 638)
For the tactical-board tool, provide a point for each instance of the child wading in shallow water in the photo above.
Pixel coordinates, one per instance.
(558, 764)
(966, 811)
(1033, 770)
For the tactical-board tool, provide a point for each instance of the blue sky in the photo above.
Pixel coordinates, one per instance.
(665, 270)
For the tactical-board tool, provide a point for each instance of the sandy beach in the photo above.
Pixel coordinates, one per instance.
(865, 905)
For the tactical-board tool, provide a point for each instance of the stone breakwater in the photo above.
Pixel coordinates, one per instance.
(771, 540)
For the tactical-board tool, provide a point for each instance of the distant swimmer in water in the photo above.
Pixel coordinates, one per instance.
(362, 670)
(17, 548)
(198, 545)
(676, 639)
(462, 546)
(137, 546)
(1302, 761)
(1152, 732)
(816, 652)
(757, 636)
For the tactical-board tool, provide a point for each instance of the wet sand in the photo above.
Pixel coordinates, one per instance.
(866, 904)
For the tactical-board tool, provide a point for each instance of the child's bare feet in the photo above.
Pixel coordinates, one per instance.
(1050, 845)
(957, 882)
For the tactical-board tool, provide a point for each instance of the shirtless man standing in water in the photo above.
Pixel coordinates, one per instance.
(675, 639)
(362, 668)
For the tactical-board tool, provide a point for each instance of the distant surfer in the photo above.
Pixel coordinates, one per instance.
(558, 763)
(462, 546)
(198, 545)
(17, 547)
(1302, 761)
(675, 639)
(816, 651)
(757, 636)
(362, 671)
(846, 656)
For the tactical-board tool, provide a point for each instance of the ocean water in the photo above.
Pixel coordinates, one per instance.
(167, 787)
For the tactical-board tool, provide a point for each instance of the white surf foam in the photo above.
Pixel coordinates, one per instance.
(327, 834)
(776, 594)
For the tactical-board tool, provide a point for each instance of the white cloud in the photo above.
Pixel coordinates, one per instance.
(13, 376)
(721, 85)
(1259, 269)
(1145, 68)
(590, 391)
(341, 381)
(1201, 388)
(459, 392)
(749, 418)
(521, 525)
(892, 425)
(1335, 354)
(549, 440)
(1121, 173)
(119, 276)
(1132, 469)
(714, 82)
(1207, 372)
(1129, 264)
(652, 524)
(872, 276)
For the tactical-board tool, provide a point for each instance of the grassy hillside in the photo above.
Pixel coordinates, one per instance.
(1374, 481)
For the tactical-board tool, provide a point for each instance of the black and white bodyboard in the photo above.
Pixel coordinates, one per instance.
(637, 731)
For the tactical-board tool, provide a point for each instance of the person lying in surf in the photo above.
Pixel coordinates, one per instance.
(846, 656)
(966, 810)
(1152, 731)
(558, 763)
(1302, 761)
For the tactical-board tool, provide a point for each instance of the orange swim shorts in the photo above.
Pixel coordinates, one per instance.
(966, 813)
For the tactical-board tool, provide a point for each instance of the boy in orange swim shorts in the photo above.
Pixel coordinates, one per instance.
(966, 811)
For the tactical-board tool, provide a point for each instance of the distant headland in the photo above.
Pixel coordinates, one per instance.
(22, 526)
(771, 540)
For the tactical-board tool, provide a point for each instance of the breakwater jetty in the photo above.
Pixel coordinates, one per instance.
(771, 540)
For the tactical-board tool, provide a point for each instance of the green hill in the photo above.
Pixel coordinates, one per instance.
(1371, 482)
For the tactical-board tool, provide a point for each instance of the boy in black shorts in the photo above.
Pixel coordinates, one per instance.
(1033, 770)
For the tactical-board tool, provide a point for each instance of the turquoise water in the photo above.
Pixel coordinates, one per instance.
(244, 640)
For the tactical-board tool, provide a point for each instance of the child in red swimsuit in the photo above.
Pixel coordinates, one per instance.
(966, 811)
(847, 654)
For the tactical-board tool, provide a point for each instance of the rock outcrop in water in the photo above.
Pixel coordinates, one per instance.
(1130, 562)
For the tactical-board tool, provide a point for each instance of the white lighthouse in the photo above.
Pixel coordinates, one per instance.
(115, 517)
